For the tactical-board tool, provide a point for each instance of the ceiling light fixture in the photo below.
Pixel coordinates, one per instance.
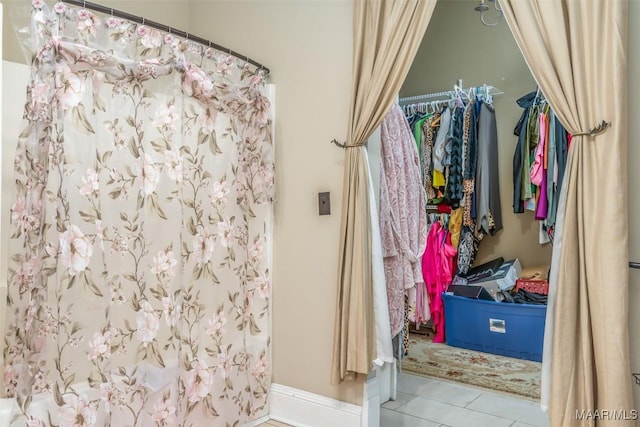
(484, 7)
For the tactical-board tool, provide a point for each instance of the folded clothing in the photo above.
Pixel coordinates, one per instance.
(524, 297)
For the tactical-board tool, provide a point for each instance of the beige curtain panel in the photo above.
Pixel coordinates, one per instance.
(387, 35)
(576, 51)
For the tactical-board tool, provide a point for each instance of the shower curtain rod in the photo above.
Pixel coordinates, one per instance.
(165, 28)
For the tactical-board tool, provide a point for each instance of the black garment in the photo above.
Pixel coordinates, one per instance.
(471, 154)
(453, 191)
(518, 157)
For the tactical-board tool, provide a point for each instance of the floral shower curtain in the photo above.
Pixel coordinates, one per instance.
(139, 281)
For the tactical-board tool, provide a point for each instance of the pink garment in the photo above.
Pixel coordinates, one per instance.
(437, 270)
(537, 176)
(403, 217)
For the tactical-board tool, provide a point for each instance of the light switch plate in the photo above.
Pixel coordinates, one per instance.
(324, 203)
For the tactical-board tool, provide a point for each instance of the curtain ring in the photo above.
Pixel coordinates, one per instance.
(112, 13)
(186, 37)
(84, 4)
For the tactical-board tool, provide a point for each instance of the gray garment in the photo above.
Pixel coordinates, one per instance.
(551, 171)
(489, 214)
(440, 144)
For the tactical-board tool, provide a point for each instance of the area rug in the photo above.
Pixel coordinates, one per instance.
(499, 373)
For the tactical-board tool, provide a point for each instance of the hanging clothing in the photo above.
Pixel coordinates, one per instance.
(453, 192)
(489, 220)
(467, 249)
(438, 268)
(426, 155)
(440, 150)
(539, 162)
(520, 131)
(403, 221)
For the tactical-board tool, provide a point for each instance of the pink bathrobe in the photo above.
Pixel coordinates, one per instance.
(403, 218)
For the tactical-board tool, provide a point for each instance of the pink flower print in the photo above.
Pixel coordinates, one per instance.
(164, 263)
(257, 78)
(173, 163)
(147, 323)
(75, 249)
(60, 8)
(166, 116)
(114, 22)
(19, 210)
(196, 82)
(261, 108)
(38, 4)
(207, 120)
(25, 272)
(198, 381)
(226, 232)
(256, 250)
(219, 192)
(100, 346)
(77, 411)
(203, 246)
(87, 21)
(224, 363)
(216, 323)
(10, 375)
(150, 175)
(261, 367)
(120, 243)
(209, 53)
(91, 183)
(84, 14)
(73, 87)
(266, 172)
(263, 285)
(31, 313)
(40, 99)
(149, 37)
(224, 66)
(164, 414)
(171, 311)
(107, 395)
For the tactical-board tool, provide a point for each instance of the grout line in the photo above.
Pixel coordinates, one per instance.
(461, 407)
(477, 397)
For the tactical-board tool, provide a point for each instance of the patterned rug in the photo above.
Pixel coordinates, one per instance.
(504, 374)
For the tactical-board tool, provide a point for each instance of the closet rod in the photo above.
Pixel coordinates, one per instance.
(165, 28)
(492, 91)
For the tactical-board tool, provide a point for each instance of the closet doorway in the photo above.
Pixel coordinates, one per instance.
(458, 46)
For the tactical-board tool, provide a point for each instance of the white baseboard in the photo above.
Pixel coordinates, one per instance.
(257, 422)
(304, 409)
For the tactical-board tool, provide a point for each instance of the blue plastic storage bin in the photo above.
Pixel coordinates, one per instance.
(514, 330)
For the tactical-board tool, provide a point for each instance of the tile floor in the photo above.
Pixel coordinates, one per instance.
(426, 402)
